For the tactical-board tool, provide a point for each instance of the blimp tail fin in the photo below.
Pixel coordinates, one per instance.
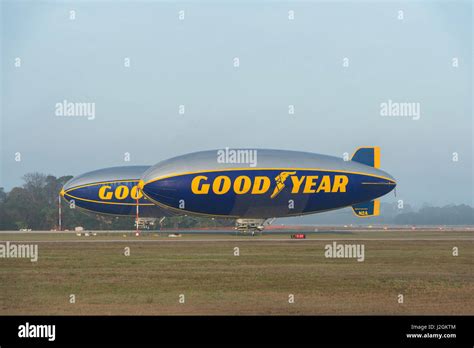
(367, 209)
(368, 155)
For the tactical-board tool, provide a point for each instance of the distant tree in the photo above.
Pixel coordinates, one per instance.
(5, 220)
(3, 195)
(447, 215)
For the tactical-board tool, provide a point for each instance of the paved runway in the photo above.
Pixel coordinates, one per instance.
(243, 240)
(231, 236)
(250, 240)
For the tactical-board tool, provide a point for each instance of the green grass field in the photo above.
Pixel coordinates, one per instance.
(259, 281)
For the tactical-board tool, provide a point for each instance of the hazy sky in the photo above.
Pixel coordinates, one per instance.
(283, 62)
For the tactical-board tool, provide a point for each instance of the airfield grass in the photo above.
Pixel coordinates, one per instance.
(259, 281)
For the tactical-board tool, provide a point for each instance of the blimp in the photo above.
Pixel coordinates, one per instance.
(254, 186)
(112, 191)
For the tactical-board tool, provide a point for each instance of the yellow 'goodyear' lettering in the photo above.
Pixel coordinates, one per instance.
(121, 192)
(222, 184)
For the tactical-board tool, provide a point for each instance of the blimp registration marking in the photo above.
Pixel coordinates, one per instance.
(243, 184)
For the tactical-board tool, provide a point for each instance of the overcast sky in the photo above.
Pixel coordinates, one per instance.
(422, 55)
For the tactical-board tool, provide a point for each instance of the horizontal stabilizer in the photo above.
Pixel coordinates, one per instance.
(367, 209)
(369, 156)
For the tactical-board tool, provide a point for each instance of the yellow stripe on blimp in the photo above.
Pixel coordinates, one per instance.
(101, 183)
(102, 202)
(376, 157)
(376, 207)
